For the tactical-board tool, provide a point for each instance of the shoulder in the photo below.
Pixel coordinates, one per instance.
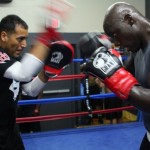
(5, 61)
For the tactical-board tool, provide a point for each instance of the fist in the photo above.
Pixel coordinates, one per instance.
(106, 65)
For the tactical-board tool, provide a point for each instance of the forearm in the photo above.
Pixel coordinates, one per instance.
(42, 76)
(34, 87)
(140, 98)
(40, 51)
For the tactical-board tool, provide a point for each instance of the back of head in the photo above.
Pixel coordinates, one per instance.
(9, 22)
(115, 14)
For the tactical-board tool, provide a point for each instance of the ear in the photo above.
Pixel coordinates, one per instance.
(128, 18)
(3, 36)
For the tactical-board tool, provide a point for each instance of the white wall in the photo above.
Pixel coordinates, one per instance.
(87, 16)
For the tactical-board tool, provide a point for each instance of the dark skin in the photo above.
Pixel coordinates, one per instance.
(131, 30)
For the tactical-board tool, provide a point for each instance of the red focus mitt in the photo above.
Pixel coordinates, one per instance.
(61, 55)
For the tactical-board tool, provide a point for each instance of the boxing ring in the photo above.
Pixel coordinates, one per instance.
(104, 137)
(126, 136)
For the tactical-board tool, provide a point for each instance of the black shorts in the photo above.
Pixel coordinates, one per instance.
(145, 145)
(10, 139)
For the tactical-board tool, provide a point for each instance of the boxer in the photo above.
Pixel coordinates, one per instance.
(26, 73)
(129, 29)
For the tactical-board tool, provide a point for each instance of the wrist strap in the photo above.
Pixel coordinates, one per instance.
(121, 82)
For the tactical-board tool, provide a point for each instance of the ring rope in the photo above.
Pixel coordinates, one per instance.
(67, 77)
(70, 115)
(64, 99)
(82, 60)
(63, 116)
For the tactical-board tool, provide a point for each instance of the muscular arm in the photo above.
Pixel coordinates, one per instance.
(140, 98)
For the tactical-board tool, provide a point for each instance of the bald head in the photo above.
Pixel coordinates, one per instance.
(117, 13)
(126, 26)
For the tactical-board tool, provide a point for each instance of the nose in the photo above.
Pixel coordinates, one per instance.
(24, 43)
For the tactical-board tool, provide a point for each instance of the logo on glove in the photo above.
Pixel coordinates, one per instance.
(104, 62)
(56, 57)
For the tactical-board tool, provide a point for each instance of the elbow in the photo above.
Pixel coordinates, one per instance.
(22, 77)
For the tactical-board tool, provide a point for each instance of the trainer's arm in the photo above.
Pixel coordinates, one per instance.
(43, 77)
(24, 70)
(34, 87)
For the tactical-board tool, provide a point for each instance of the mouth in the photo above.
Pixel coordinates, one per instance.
(19, 51)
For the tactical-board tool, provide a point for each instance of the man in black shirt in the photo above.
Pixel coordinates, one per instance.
(43, 60)
(14, 75)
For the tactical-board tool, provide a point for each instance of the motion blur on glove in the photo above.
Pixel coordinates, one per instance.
(61, 55)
